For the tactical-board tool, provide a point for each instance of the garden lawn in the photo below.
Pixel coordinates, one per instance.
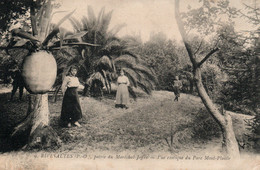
(152, 125)
(143, 128)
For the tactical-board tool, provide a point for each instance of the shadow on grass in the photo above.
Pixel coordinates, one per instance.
(11, 114)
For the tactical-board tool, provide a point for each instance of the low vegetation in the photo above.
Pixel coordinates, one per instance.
(152, 124)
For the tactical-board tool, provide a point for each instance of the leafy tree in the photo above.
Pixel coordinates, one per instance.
(222, 118)
(160, 54)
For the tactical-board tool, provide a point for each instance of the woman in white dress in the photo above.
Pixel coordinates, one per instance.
(122, 94)
(71, 110)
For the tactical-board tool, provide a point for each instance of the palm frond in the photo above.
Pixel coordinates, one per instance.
(99, 18)
(116, 29)
(95, 76)
(125, 58)
(91, 16)
(106, 21)
(105, 63)
(109, 45)
(146, 72)
(134, 74)
(144, 87)
(132, 79)
(45, 20)
(21, 33)
(77, 26)
(56, 29)
(126, 52)
(57, 46)
(54, 32)
(113, 66)
(104, 74)
(76, 36)
(62, 58)
(148, 83)
(62, 35)
(39, 14)
(21, 43)
(124, 63)
(85, 23)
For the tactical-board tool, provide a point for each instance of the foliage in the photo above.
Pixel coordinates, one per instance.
(43, 35)
(42, 32)
(206, 19)
(8, 62)
(253, 16)
(161, 55)
(234, 63)
(11, 11)
(237, 59)
(253, 12)
(111, 54)
(213, 79)
(255, 129)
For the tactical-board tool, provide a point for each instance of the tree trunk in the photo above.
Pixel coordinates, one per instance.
(41, 135)
(223, 120)
(229, 140)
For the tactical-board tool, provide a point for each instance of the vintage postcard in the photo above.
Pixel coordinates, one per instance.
(119, 84)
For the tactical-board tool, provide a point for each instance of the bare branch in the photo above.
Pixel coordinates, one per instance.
(198, 47)
(255, 20)
(217, 42)
(207, 56)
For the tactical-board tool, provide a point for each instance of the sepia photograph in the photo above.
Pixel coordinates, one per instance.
(129, 84)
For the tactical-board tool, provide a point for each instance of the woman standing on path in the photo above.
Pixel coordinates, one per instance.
(122, 94)
(71, 110)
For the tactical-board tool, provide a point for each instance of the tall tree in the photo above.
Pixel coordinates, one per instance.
(161, 54)
(39, 73)
(221, 117)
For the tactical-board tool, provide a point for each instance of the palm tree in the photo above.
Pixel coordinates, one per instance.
(111, 54)
(36, 125)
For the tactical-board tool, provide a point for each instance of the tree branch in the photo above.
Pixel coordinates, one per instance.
(198, 47)
(207, 56)
(183, 33)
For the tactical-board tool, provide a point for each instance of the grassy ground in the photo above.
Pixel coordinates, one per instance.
(152, 124)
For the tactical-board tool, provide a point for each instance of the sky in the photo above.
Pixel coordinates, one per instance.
(140, 16)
